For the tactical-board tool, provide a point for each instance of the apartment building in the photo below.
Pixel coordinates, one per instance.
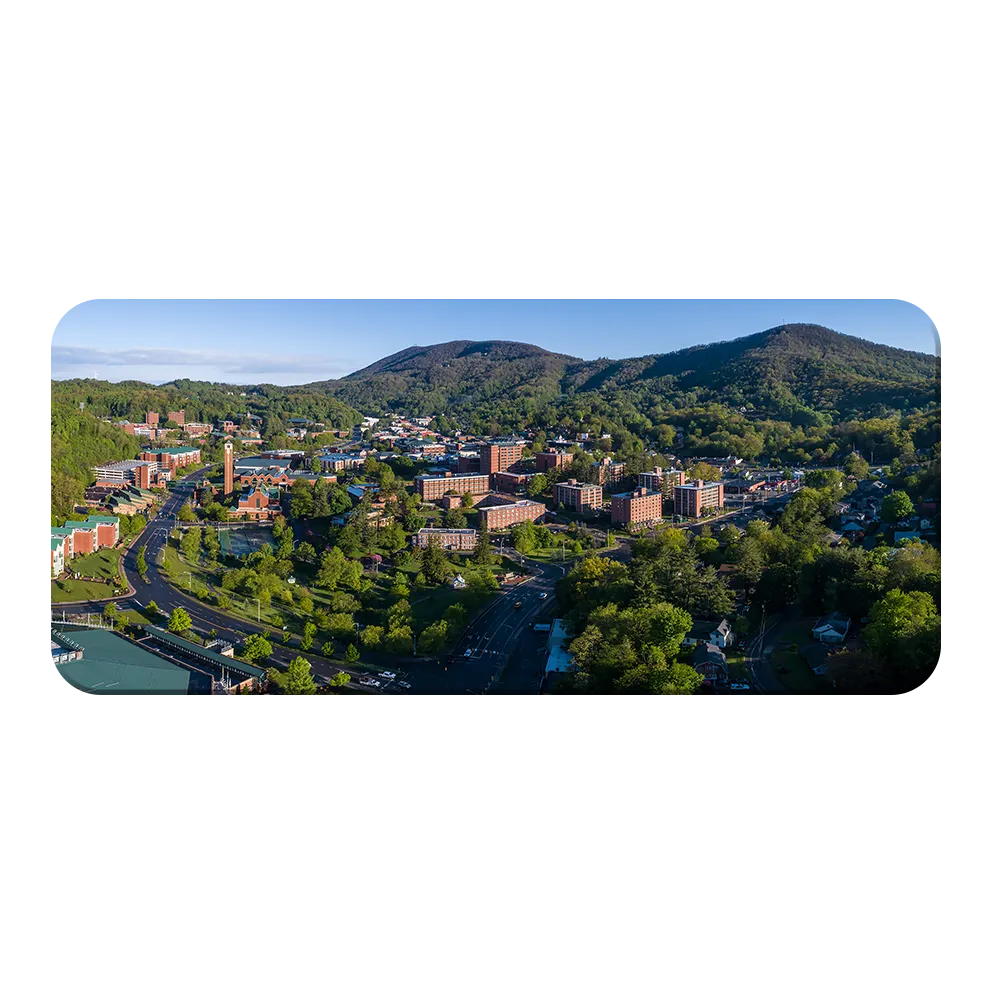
(177, 416)
(579, 496)
(609, 472)
(500, 516)
(435, 487)
(546, 461)
(452, 539)
(152, 418)
(172, 459)
(640, 506)
(504, 481)
(197, 430)
(661, 480)
(698, 498)
(75, 538)
(499, 455)
(340, 461)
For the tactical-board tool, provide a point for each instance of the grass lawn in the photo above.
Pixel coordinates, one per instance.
(103, 564)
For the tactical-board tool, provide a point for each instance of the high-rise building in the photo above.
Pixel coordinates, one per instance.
(227, 467)
(578, 496)
(552, 459)
(662, 480)
(697, 498)
(152, 418)
(499, 456)
(177, 416)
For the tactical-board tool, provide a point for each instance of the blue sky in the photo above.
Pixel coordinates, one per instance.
(289, 342)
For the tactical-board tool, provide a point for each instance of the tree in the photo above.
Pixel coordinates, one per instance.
(206, 496)
(434, 562)
(191, 543)
(371, 636)
(905, 629)
(351, 654)
(538, 484)
(179, 621)
(856, 466)
(897, 506)
(468, 501)
(187, 514)
(153, 612)
(308, 636)
(341, 678)
(257, 647)
(299, 677)
(400, 586)
(304, 553)
(433, 638)
(329, 650)
(482, 554)
(704, 471)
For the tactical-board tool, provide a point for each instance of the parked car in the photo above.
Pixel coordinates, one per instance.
(388, 674)
(405, 684)
(468, 652)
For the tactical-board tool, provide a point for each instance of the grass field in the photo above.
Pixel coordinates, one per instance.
(103, 563)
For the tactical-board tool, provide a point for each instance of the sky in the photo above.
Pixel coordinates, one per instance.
(290, 342)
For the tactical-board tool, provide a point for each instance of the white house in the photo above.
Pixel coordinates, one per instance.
(831, 628)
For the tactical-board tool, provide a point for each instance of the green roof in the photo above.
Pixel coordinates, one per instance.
(62, 532)
(57, 543)
(113, 665)
(79, 524)
(158, 450)
(206, 655)
(103, 519)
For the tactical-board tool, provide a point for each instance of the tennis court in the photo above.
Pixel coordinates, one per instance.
(240, 539)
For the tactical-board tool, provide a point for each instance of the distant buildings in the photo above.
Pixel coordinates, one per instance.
(609, 472)
(256, 503)
(499, 455)
(661, 480)
(457, 539)
(638, 507)
(172, 459)
(142, 474)
(546, 461)
(578, 496)
(697, 498)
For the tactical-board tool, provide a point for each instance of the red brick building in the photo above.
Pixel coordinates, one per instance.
(453, 539)
(697, 498)
(545, 461)
(639, 506)
(177, 416)
(662, 480)
(256, 504)
(504, 481)
(172, 459)
(468, 463)
(76, 538)
(609, 472)
(143, 474)
(579, 496)
(499, 517)
(152, 418)
(499, 456)
(435, 487)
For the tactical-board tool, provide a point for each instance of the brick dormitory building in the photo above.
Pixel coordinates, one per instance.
(505, 513)
(578, 496)
(638, 506)
(499, 455)
(662, 480)
(697, 498)
(453, 539)
(435, 487)
(172, 459)
(75, 538)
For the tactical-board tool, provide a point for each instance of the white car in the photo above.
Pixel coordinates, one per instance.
(468, 652)
(405, 684)
(388, 675)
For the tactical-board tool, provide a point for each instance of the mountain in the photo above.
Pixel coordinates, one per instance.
(798, 372)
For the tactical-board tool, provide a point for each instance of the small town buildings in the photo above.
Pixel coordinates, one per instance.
(177, 416)
(578, 496)
(639, 507)
(74, 538)
(452, 539)
(450, 501)
(503, 515)
(509, 481)
(144, 474)
(698, 498)
(196, 430)
(435, 487)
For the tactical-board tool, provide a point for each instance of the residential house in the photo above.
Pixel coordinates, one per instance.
(831, 628)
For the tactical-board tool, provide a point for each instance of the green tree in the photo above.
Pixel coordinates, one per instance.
(433, 638)
(308, 636)
(299, 677)
(856, 466)
(905, 628)
(897, 506)
(351, 654)
(187, 514)
(153, 612)
(341, 678)
(371, 636)
(482, 554)
(257, 647)
(179, 621)
(434, 563)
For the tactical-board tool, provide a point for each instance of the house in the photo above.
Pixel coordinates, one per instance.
(715, 633)
(831, 628)
(710, 662)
